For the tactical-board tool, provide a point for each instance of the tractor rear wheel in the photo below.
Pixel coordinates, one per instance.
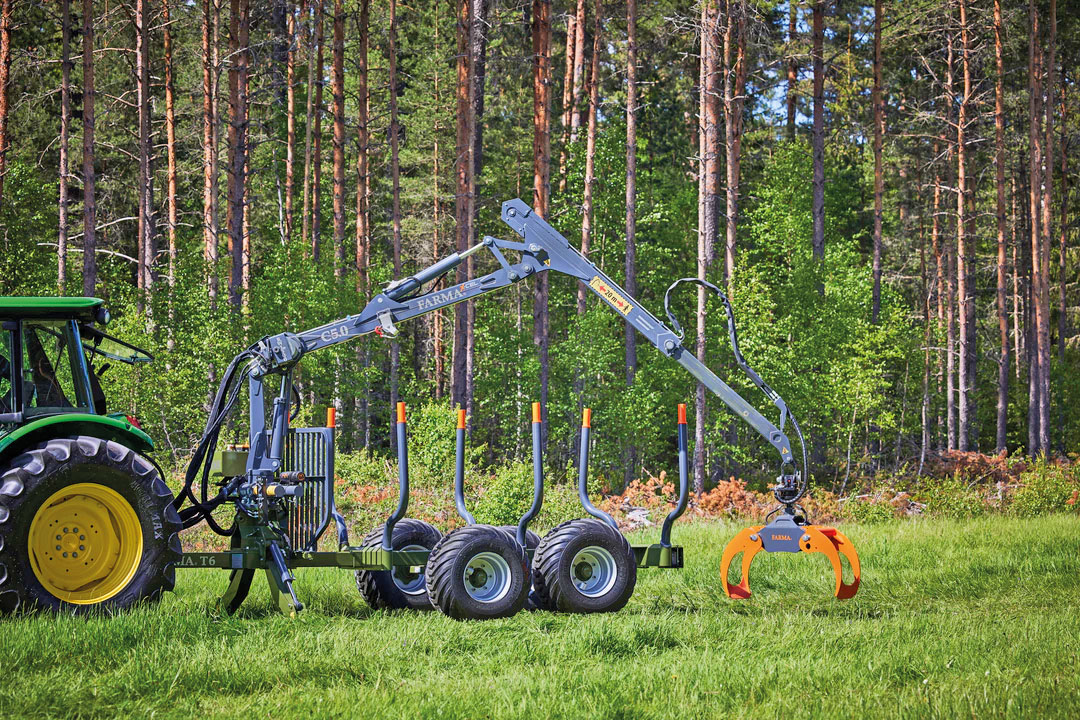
(85, 524)
(399, 588)
(584, 566)
(478, 572)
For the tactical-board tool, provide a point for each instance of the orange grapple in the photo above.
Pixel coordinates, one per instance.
(784, 534)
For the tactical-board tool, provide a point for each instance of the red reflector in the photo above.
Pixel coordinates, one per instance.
(134, 421)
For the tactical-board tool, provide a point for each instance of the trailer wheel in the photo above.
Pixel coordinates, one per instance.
(584, 566)
(398, 589)
(532, 541)
(85, 525)
(478, 572)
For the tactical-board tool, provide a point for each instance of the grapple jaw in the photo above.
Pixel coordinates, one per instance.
(784, 534)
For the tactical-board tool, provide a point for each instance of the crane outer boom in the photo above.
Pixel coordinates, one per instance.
(543, 249)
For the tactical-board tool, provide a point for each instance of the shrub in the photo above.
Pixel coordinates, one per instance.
(1045, 488)
(506, 494)
(869, 510)
(954, 498)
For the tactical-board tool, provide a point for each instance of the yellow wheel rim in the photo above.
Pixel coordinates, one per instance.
(85, 543)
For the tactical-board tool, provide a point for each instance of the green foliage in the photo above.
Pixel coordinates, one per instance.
(869, 510)
(432, 431)
(507, 495)
(1047, 488)
(952, 497)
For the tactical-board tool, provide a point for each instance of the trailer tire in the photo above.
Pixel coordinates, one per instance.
(532, 541)
(478, 572)
(396, 589)
(129, 543)
(584, 566)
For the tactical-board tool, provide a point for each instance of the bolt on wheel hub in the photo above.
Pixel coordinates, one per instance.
(409, 582)
(487, 577)
(594, 571)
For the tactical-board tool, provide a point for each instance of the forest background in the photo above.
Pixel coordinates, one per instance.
(884, 189)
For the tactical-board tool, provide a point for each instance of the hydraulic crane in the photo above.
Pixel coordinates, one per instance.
(263, 488)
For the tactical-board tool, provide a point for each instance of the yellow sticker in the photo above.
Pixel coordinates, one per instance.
(616, 300)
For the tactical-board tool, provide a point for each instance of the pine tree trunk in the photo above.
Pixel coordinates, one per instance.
(940, 272)
(238, 126)
(965, 251)
(1062, 250)
(363, 215)
(1035, 389)
(630, 466)
(734, 99)
(462, 172)
(317, 157)
(572, 93)
(305, 221)
(436, 203)
(708, 193)
(478, 58)
(1047, 232)
(792, 68)
(338, 92)
(170, 153)
(541, 48)
(579, 72)
(290, 120)
(65, 132)
(395, 184)
(818, 140)
(5, 79)
(999, 180)
(590, 153)
(567, 98)
(950, 298)
(210, 176)
(879, 180)
(147, 250)
(89, 200)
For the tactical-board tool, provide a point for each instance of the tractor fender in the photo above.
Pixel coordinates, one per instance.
(70, 424)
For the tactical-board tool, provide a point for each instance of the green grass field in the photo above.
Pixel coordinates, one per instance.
(975, 619)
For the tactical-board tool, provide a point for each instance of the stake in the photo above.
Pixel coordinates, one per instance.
(583, 472)
(403, 480)
(459, 471)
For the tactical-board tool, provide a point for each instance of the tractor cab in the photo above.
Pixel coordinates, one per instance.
(52, 355)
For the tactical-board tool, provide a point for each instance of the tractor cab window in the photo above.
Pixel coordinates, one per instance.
(54, 374)
(7, 369)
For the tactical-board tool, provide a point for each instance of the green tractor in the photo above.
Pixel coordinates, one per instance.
(86, 520)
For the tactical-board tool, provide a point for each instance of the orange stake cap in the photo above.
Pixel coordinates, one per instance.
(682, 413)
(461, 419)
(586, 418)
(536, 412)
(401, 412)
(331, 417)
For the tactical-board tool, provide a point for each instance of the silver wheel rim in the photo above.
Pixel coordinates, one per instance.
(487, 577)
(593, 571)
(406, 581)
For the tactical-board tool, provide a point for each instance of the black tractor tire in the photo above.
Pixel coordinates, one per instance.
(493, 554)
(378, 587)
(558, 585)
(40, 472)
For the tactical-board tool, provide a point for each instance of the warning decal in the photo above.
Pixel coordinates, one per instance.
(613, 298)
